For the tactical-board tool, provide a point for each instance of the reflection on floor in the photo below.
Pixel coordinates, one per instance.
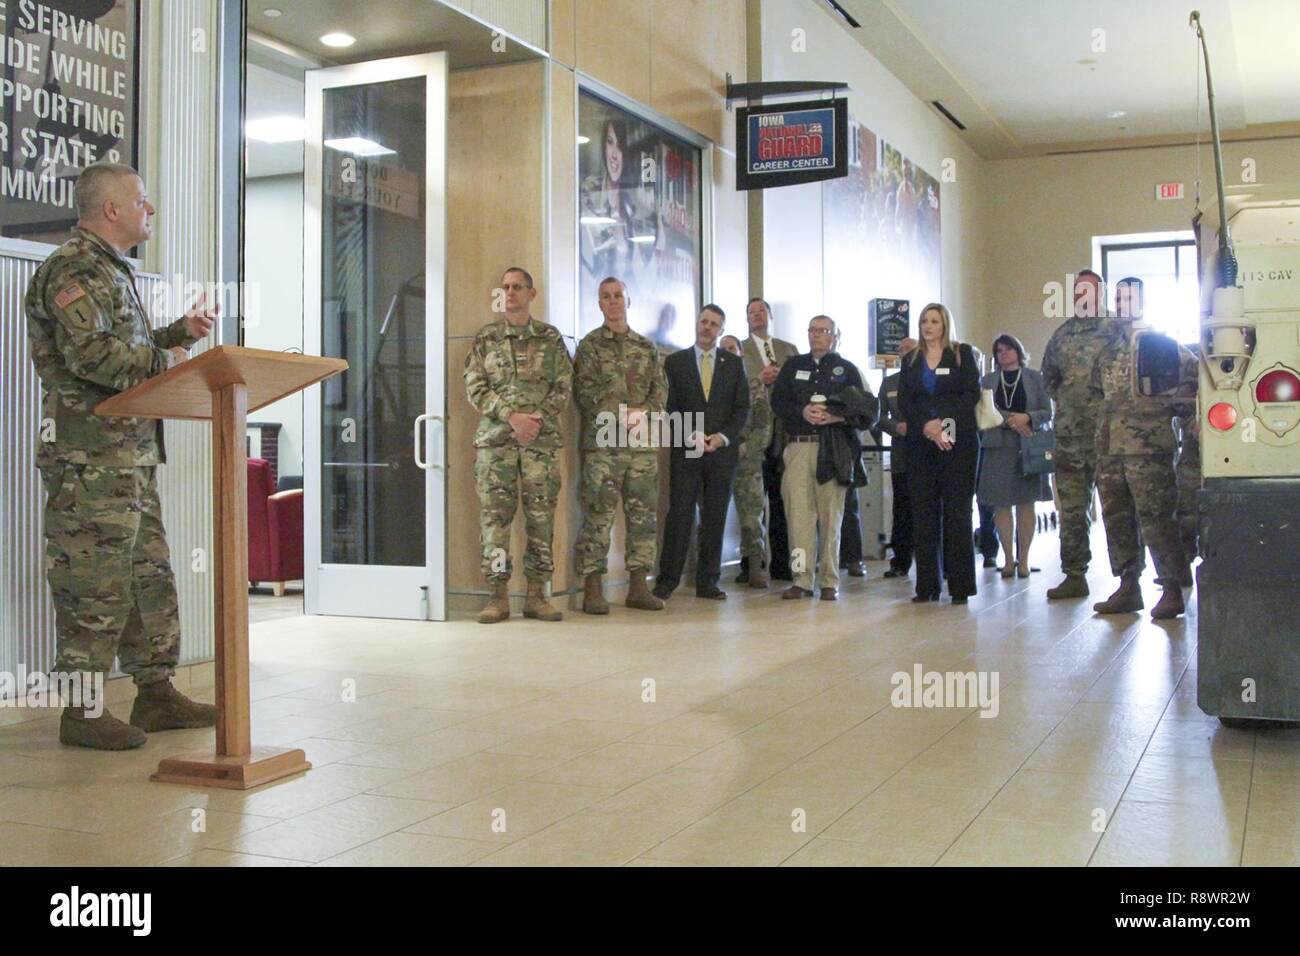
(752, 732)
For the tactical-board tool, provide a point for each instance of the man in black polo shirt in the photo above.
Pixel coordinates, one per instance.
(812, 510)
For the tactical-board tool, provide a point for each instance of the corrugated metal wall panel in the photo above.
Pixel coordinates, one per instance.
(182, 150)
(179, 146)
(26, 616)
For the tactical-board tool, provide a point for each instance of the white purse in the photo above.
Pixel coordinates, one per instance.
(986, 413)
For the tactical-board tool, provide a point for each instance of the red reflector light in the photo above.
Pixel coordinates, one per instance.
(1279, 385)
(1222, 416)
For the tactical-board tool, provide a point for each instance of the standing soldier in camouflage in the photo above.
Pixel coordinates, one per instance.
(518, 377)
(747, 486)
(1135, 469)
(1067, 367)
(621, 391)
(1187, 466)
(106, 550)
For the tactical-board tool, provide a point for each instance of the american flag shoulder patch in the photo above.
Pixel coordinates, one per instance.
(68, 296)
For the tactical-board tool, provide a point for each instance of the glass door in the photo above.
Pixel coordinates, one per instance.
(373, 293)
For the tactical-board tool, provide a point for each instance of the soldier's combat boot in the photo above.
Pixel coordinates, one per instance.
(160, 706)
(1170, 604)
(1126, 599)
(757, 575)
(593, 595)
(104, 732)
(497, 608)
(1074, 586)
(638, 594)
(536, 605)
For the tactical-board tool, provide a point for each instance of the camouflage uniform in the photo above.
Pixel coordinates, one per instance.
(1187, 469)
(106, 551)
(517, 369)
(612, 370)
(1067, 366)
(747, 487)
(1135, 463)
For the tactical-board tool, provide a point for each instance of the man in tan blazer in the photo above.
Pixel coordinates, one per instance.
(764, 354)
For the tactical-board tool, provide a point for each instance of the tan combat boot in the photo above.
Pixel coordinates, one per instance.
(497, 608)
(104, 732)
(160, 706)
(1074, 586)
(593, 597)
(537, 606)
(1170, 604)
(638, 594)
(757, 574)
(1126, 599)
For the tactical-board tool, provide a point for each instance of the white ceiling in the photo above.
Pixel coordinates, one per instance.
(1024, 77)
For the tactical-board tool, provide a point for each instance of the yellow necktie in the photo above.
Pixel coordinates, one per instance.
(706, 373)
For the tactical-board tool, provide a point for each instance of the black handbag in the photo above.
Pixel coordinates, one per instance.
(1038, 453)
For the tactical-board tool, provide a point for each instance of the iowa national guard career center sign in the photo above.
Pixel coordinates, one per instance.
(791, 144)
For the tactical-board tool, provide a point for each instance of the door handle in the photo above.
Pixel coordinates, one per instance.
(415, 451)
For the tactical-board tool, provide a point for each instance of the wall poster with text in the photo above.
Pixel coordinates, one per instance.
(639, 219)
(882, 237)
(69, 85)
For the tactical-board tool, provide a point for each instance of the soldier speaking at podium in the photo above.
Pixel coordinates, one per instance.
(106, 554)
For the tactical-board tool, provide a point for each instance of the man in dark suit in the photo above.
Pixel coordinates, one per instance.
(709, 394)
(892, 423)
(764, 355)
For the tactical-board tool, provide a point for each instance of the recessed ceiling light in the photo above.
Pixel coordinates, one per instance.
(646, 238)
(338, 39)
(583, 139)
(1116, 114)
(359, 146)
(596, 220)
(272, 12)
(276, 129)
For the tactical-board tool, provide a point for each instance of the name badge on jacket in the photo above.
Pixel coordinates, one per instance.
(941, 371)
(803, 374)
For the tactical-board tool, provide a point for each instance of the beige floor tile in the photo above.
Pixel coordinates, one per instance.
(331, 830)
(586, 838)
(566, 740)
(1202, 739)
(513, 812)
(735, 838)
(427, 750)
(991, 842)
(616, 765)
(466, 778)
(751, 722)
(902, 815)
(695, 729)
(824, 852)
(1043, 796)
(1210, 784)
(207, 858)
(1170, 834)
(412, 849)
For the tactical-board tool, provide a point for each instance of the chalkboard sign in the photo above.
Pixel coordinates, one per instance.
(889, 324)
(69, 97)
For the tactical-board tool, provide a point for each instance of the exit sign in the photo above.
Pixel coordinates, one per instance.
(1169, 191)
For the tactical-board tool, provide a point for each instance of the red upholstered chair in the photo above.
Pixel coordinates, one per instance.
(274, 529)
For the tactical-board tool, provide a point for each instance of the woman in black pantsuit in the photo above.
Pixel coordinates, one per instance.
(938, 390)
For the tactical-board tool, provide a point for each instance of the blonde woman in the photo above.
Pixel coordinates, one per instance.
(938, 389)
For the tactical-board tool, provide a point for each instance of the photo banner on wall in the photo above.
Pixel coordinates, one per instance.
(882, 241)
(69, 97)
(639, 221)
(790, 144)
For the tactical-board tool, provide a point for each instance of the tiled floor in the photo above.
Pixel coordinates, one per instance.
(753, 732)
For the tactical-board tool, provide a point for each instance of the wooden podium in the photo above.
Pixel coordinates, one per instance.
(223, 385)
